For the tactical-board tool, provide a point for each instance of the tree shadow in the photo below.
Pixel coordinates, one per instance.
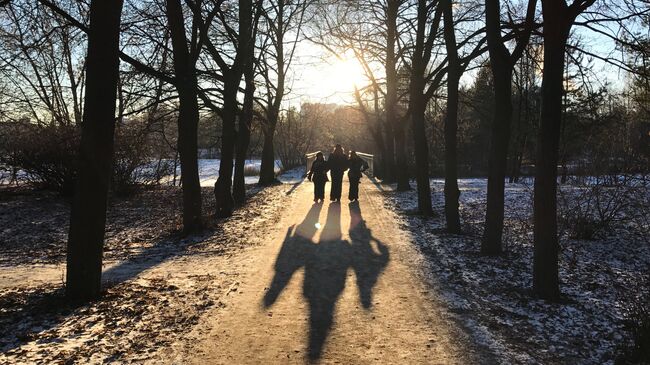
(27, 312)
(326, 264)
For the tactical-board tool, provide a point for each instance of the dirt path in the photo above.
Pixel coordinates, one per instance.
(336, 283)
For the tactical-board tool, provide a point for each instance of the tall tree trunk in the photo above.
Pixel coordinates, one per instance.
(88, 215)
(188, 117)
(244, 136)
(497, 160)
(452, 193)
(267, 168)
(545, 257)
(389, 152)
(225, 203)
(501, 66)
(401, 160)
(398, 136)
(418, 105)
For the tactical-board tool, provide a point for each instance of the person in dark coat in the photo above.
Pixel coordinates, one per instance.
(337, 163)
(356, 165)
(318, 174)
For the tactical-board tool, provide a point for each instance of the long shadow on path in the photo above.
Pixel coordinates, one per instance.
(326, 264)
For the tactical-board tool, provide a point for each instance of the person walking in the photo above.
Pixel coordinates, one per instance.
(337, 163)
(318, 175)
(356, 165)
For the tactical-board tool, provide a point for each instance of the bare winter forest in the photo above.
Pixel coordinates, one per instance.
(159, 181)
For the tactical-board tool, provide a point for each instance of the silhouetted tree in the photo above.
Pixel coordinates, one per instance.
(558, 20)
(88, 215)
(231, 75)
(188, 114)
(425, 36)
(282, 23)
(502, 62)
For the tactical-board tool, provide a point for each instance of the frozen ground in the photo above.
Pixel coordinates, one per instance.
(437, 298)
(601, 280)
(208, 172)
(157, 283)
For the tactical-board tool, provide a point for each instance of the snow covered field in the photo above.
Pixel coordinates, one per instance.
(208, 172)
(601, 280)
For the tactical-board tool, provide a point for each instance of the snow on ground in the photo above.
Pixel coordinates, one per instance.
(209, 171)
(491, 295)
(157, 283)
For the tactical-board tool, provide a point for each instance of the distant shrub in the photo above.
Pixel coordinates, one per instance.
(590, 208)
(46, 154)
(135, 161)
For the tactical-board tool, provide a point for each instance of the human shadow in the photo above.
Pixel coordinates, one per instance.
(369, 260)
(326, 264)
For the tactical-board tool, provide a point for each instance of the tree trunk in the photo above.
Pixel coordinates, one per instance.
(401, 161)
(501, 66)
(497, 161)
(188, 118)
(418, 104)
(88, 215)
(545, 256)
(452, 193)
(244, 137)
(421, 154)
(389, 154)
(225, 203)
(395, 132)
(267, 168)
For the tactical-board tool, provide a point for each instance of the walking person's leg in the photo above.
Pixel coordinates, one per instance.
(335, 191)
(354, 189)
(339, 188)
(319, 190)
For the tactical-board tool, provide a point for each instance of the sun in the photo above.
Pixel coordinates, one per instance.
(348, 73)
(333, 78)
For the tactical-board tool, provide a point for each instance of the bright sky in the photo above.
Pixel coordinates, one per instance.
(319, 76)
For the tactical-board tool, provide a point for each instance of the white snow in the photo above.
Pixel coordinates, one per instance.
(492, 296)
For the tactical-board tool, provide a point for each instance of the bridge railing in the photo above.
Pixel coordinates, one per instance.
(310, 157)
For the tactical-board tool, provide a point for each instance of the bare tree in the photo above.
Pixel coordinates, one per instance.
(426, 34)
(231, 76)
(453, 67)
(282, 27)
(502, 62)
(185, 80)
(191, 185)
(88, 216)
(559, 18)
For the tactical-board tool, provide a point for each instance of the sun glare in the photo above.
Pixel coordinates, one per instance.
(348, 73)
(334, 79)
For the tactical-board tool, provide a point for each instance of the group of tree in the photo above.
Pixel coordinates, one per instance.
(221, 68)
(526, 59)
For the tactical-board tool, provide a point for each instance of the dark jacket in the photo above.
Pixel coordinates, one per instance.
(357, 165)
(338, 163)
(318, 171)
